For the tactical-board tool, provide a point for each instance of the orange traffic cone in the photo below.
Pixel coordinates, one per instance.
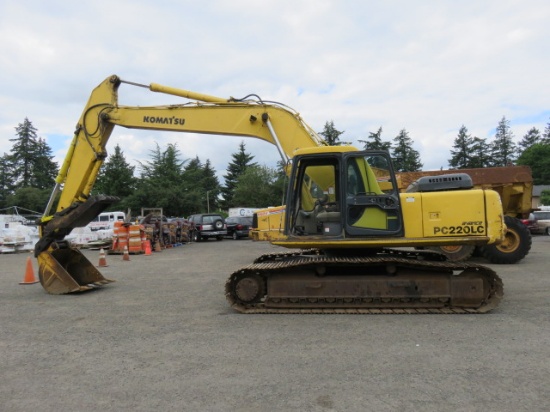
(126, 255)
(102, 259)
(29, 274)
(147, 248)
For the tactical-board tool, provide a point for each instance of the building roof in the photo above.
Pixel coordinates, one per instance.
(538, 189)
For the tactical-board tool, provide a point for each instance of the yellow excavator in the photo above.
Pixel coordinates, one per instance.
(352, 239)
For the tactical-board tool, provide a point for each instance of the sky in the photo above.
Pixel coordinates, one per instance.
(425, 66)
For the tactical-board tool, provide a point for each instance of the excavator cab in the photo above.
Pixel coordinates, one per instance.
(344, 195)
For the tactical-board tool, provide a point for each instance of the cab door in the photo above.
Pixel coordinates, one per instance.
(314, 200)
(371, 197)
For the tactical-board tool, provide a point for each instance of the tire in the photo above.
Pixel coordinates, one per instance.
(234, 236)
(455, 253)
(548, 231)
(218, 224)
(219, 238)
(478, 251)
(515, 246)
(195, 237)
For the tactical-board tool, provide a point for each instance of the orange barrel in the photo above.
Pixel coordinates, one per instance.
(134, 231)
(134, 245)
(134, 239)
(121, 233)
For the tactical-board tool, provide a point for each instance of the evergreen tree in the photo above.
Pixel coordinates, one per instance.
(375, 142)
(160, 183)
(200, 186)
(241, 161)
(531, 137)
(6, 180)
(23, 153)
(30, 198)
(546, 135)
(195, 195)
(480, 153)
(211, 185)
(257, 187)
(331, 134)
(192, 172)
(44, 169)
(503, 148)
(406, 158)
(29, 170)
(116, 177)
(538, 158)
(461, 156)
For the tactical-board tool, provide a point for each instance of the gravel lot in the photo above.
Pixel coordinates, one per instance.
(164, 338)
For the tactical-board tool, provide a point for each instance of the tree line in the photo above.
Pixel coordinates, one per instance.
(185, 186)
(467, 151)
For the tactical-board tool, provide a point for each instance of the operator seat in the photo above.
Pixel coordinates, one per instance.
(327, 215)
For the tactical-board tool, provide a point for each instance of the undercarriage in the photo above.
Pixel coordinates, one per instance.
(382, 284)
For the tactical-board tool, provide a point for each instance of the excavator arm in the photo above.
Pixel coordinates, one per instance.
(63, 269)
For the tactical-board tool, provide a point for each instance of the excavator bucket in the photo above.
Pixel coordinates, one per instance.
(62, 268)
(67, 270)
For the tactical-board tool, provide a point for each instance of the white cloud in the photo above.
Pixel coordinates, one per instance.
(428, 67)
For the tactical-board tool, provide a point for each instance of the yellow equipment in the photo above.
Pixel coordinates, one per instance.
(343, 214)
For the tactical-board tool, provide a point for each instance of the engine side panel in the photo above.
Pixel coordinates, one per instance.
(451, 214)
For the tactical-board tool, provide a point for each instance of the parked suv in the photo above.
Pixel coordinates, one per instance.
(543, 221)
(207, 225)
(238, 226)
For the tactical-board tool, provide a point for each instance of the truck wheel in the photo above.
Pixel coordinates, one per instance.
(548, 231)
(218, 225)
(478, 251)
(455, 253)
(196, 237)
(514, 247)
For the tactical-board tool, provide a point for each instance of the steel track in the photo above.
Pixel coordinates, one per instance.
(275, 264)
